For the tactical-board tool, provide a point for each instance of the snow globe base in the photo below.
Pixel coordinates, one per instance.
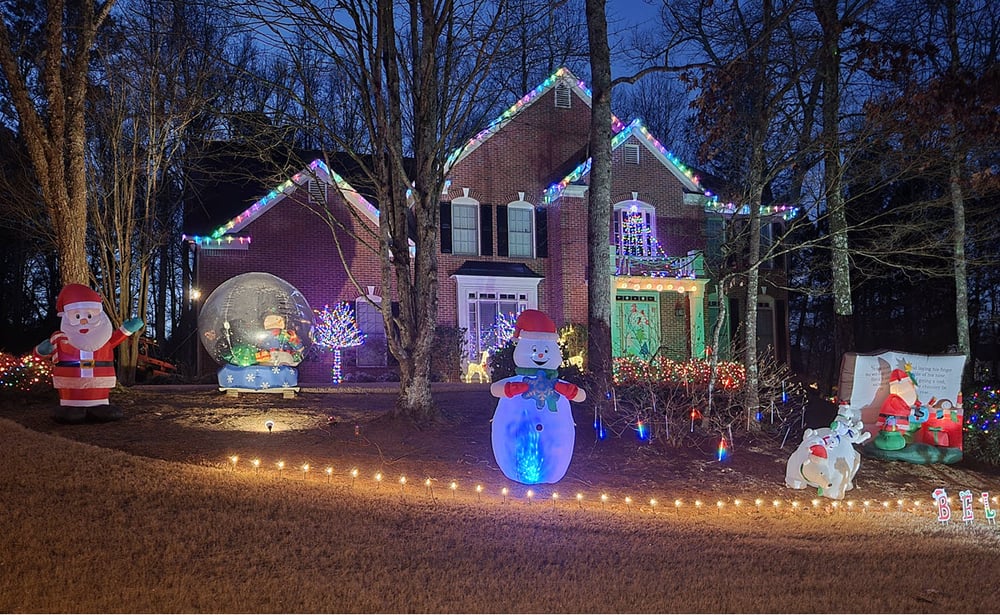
(259, 378)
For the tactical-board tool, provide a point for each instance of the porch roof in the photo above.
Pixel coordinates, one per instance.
(491, 269)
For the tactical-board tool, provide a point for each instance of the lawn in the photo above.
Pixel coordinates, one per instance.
(150, 514)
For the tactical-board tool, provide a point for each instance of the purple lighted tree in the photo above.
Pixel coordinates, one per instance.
(335, 330)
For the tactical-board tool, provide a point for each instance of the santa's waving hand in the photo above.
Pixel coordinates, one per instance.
(83, 355)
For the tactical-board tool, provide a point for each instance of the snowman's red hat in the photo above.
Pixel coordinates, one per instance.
(534, 325)
(77, 297)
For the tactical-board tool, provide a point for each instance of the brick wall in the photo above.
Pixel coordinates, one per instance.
(294, 244)
(538, 147)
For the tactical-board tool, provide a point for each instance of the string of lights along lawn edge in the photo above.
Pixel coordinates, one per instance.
(938, 502)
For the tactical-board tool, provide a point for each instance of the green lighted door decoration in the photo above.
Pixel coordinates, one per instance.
(635, 326)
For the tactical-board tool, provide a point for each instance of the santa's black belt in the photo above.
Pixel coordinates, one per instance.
(85, 364)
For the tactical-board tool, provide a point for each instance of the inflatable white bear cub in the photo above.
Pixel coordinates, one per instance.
(827, 459)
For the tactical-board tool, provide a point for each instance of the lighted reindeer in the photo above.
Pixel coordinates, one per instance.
(479, 370)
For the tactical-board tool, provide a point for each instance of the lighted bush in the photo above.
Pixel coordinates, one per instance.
(981, 440)
(695, 372)
(24, 374)
(664, 399)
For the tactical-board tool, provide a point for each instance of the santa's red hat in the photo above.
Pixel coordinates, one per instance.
(534, 325)
(77, 297)
(898, 374)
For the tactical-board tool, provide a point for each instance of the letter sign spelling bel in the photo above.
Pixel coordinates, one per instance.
(944, 511)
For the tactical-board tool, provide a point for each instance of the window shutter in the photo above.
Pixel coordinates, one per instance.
(486, 229)
(502, 230)
(541, 233)
(445, 228)
(780, 331)
(780, 261)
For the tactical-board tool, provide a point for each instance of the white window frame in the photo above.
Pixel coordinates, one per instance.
(463, 247)
(475, 286)
(521, 206)
(647, 244)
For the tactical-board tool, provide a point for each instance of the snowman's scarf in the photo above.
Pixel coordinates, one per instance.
(541, 386)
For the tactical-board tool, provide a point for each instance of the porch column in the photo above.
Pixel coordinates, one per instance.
(696, 299)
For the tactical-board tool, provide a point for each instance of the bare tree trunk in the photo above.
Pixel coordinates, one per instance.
(410, 333)
(958, 205)
(829, 73)
(599, 207)
(750, 360)
(54, 131)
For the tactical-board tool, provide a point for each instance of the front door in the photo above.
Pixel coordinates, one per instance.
(635, 326)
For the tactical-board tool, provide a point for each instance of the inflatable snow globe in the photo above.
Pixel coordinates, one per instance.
(257, 327)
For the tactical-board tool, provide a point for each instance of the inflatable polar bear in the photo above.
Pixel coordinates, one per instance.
(826, 458)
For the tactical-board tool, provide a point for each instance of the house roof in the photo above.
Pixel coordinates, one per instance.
(563, 75)
(637, 129)
(219, 224)
(496, 270)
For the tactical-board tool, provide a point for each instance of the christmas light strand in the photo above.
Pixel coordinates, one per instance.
(937, 504)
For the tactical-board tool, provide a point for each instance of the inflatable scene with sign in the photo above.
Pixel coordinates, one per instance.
(895, 406)
(910, 404)
(257, 327)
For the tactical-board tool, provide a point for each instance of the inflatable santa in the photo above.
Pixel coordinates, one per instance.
(82, 352)
(895, 415)
(533, 432)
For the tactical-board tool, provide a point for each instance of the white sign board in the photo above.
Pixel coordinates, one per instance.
(864, 382)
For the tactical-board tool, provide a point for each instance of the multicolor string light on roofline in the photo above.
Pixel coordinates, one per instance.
(936, 503)
(524, 101)
(318, 169)
(786, 212)
(635, 128)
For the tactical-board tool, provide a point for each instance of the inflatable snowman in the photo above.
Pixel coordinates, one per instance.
(533, 430)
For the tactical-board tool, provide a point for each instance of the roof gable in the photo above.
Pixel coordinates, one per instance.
(563, 75)
(637, 129)
(226, 234)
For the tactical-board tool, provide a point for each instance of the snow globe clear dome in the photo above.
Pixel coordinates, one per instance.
(256, 319)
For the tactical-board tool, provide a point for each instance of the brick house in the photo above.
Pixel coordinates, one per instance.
(513, 236)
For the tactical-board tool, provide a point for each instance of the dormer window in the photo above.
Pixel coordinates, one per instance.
(631, 153)
(564, 98)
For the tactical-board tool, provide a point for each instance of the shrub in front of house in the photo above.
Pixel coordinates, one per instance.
(981, 437)
(446, 362)
(24, 374)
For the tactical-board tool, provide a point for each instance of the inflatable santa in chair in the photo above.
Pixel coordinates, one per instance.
(82, 352)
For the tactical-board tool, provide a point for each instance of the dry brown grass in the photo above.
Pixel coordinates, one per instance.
(88, 529)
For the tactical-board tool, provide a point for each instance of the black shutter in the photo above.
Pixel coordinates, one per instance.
(445, 228)
(779, 260)
(541, 233)
(780, 331)
(486, 229)
(502, 231)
